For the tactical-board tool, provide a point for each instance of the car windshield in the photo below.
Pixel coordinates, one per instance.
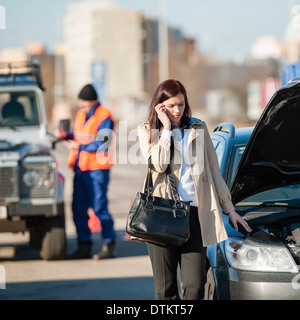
(274, 195)
(18, 109)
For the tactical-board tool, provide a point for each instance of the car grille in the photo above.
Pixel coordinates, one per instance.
(8, 183)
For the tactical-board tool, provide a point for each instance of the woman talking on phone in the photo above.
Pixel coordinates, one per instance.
(172, 136)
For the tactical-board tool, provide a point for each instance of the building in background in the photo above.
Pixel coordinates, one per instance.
(118, 50)
(184, 61)
(267, 47)
(290, 68)
(103, 46)
(227, 89)
(292, 36)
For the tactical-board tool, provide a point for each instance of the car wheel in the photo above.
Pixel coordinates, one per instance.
(54, 241)
(36, 236)
(209, 290)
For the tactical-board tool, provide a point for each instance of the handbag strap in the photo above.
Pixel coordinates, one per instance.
(170, 178)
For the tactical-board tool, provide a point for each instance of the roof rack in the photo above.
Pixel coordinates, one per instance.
(12, 72)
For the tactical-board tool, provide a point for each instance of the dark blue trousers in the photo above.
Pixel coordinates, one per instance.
(90, 191)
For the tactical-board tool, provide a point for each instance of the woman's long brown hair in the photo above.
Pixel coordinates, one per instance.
(166, 90)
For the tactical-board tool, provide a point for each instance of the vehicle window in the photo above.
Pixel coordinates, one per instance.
(219, 149)
(234, 162)
(215, 142)
(276, 194)
(18, 109)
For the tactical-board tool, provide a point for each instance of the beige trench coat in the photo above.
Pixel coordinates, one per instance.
(211, 190)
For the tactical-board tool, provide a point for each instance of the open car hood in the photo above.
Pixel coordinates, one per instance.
(272, 156)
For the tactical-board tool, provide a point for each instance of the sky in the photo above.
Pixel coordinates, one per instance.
(226, 28)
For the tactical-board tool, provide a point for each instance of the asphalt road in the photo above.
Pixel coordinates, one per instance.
(127, 277)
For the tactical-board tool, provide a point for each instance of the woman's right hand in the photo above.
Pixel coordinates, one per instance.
(162, 114)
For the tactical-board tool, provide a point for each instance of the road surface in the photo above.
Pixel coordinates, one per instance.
(127, 277)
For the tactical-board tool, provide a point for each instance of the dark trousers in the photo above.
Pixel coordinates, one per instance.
(191, 258)
(90, 191)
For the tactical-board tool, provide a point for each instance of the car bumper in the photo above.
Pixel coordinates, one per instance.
(245, 285)
(40, 207)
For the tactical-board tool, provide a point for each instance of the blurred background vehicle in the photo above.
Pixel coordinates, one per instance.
(31, 188)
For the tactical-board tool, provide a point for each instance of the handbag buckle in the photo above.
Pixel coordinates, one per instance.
(178, 205)
(148, 197)
(149, 202)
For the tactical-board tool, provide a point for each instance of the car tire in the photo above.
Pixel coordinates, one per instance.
(210, 286)
(36, 237)
(54, 241)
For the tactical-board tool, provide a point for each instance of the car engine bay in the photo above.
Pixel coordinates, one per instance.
(287, 233)
(275, 225)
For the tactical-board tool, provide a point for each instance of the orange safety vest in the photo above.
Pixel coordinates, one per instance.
(85, 133)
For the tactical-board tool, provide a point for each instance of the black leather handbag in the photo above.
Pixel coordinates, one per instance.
(158, 220)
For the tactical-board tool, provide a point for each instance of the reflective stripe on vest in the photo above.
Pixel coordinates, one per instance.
(85, 133)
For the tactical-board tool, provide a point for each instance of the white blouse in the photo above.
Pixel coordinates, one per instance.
(186, 188)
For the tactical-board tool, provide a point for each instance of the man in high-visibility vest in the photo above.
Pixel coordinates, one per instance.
(91, 156)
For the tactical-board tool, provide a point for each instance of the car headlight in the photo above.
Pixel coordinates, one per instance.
(255, 256)
(38, 179)
(31, 178)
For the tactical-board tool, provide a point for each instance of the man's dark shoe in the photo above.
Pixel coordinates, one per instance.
(84, 251)
(108, 251)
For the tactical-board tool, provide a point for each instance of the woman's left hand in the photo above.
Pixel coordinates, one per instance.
(236, 218)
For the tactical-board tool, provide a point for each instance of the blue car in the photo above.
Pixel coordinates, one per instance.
(261, 165)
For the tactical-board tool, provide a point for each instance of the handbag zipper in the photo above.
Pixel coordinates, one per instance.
(166, 209)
